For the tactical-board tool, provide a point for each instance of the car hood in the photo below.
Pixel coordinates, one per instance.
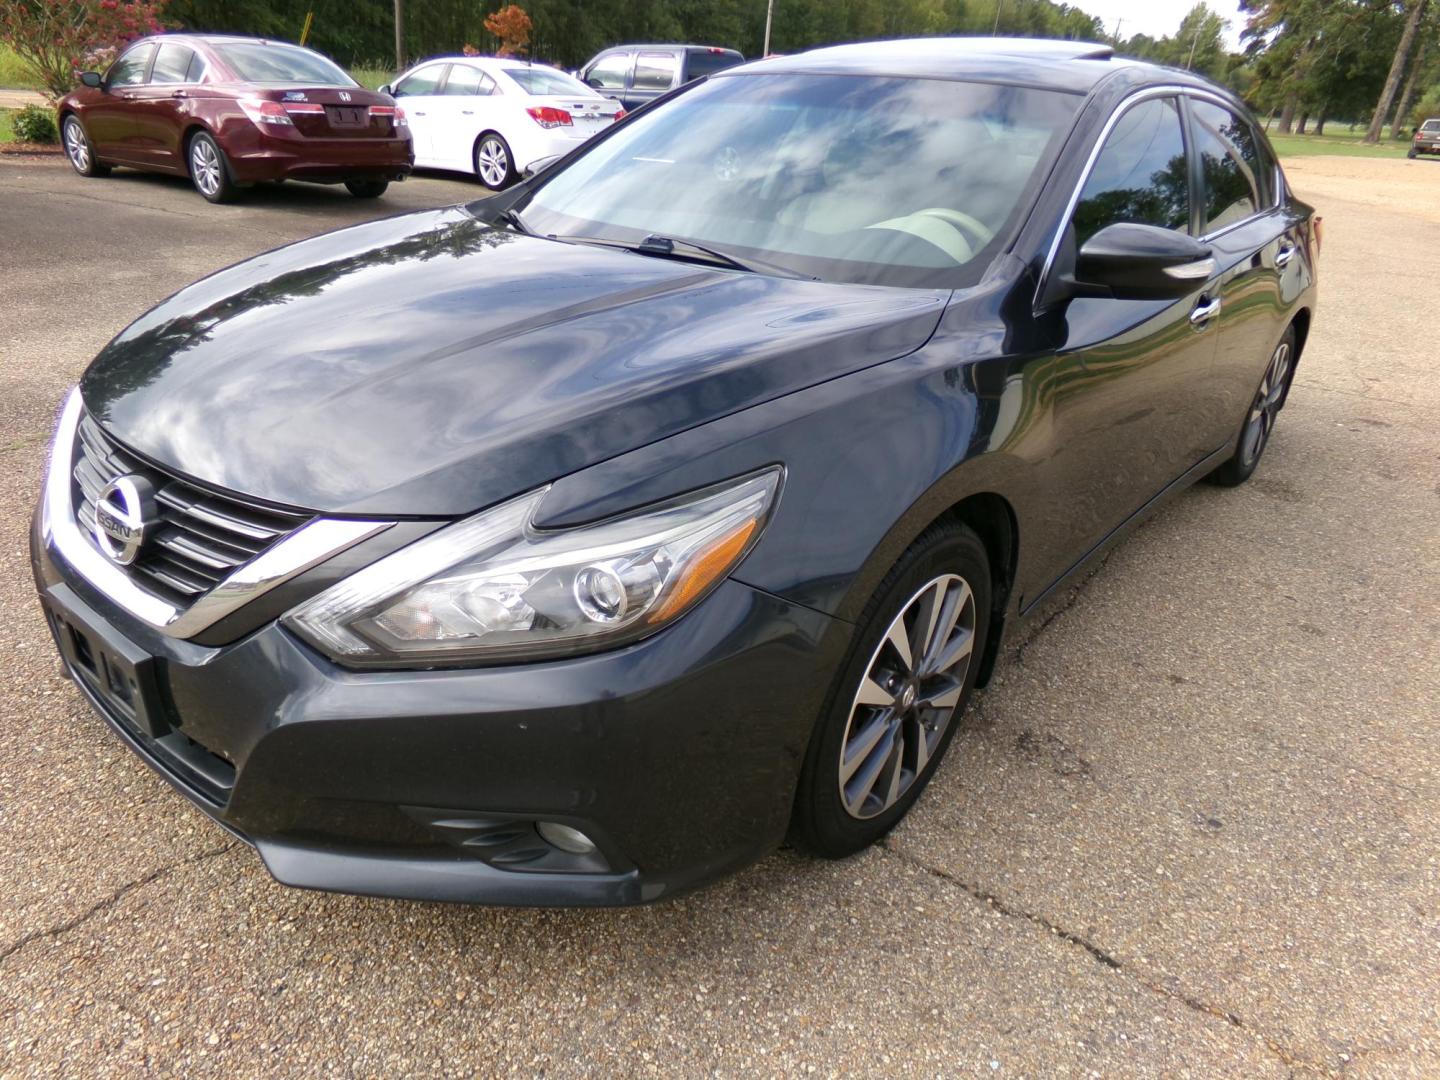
(431, 365)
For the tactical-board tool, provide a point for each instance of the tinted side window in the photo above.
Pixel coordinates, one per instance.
(172, 63)
(1140, 175)
(468, 82)
(1221, 143)
(423, 81)
(129, 70)
(709, 62)
(196, 71)
(609, 72)
(655, 71)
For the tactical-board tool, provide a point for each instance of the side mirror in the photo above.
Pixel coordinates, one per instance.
(385, 89)
(596, 83)
(91, 79)
(1141, 262)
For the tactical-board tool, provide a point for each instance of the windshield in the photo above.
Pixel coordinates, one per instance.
(282, 64)
(862, 179)
(541, 81)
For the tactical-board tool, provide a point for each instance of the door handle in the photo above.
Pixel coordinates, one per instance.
(178, 93)
(467, 112)
(1204, 311)
(417, 112)
(1283, 256)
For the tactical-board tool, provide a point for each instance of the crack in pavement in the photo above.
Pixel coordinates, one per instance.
(1108, 960)
(110, 901)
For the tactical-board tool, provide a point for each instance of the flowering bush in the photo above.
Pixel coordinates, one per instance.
(55, 36)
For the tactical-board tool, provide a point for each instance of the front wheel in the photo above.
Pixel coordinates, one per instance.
(1260, 420)
(79, 151)
(494, 167)
(894, 708)
(367, 189)
(209, 171)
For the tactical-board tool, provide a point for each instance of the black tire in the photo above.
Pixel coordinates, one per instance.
(821, 822)
(1411, 153)
(492, 158)
(209, 169)
(79, 149)
(367, 189)
(1269, 399)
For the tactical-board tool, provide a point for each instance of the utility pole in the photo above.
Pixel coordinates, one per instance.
(399, 36)
(769, 18)
(1188, 60)
(996, 28)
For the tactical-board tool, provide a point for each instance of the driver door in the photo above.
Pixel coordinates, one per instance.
(112, 122)
(1131, 381)
(419, 95)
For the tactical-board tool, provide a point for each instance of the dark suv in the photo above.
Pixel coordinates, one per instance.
(635, 74)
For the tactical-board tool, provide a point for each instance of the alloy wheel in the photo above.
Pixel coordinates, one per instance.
(76, 146)
(492, 161)
(205, 166)
(907, 696)
(1267, 404)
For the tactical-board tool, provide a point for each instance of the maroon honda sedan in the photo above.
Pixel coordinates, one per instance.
(230, 111)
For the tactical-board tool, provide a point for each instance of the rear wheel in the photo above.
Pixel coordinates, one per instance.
(494, 167)
(367, 189)
(209, 170)
(1410, 153)
(79, 150)
(1260, 420)
(893, 711)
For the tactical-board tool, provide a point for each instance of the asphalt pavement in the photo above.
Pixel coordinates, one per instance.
(1191, 828)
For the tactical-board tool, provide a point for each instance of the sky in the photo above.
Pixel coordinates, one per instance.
(1159, 18)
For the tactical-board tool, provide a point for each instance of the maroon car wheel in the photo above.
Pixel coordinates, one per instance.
(79, 150)
(209, 171)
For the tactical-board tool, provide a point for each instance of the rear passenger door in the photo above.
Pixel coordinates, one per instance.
(1251, 241)
(655, 73)
(162, 105)
(466, 107)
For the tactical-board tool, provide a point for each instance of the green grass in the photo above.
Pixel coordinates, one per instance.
(1338, 140)
(372, 78)
(6, 135)
(14, 73)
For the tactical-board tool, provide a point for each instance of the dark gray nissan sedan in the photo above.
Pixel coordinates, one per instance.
(578, 545)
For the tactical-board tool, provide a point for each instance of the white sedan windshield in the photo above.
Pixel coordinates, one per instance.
(884, 180)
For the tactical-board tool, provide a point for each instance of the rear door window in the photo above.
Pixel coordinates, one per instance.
(172, 64)
(129, 70)
(1141, 175)
(1232, 189)
(467, 81)
(655, 71)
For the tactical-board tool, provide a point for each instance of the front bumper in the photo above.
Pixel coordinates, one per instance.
(678, 755)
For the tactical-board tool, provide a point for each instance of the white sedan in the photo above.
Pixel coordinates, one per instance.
(494, 116)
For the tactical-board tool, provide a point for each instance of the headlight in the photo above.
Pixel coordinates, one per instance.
(493, 588)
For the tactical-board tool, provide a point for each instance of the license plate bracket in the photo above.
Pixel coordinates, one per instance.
(346, 116)
(116, 671)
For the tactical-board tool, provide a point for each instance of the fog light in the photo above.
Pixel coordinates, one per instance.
(565, 838)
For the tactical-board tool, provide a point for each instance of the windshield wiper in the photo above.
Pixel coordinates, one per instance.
(510, 216)
(669, 247)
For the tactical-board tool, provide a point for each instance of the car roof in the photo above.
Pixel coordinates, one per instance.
(1074, 66)
(671, 45)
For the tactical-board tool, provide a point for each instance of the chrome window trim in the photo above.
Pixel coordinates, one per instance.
(306, 547)
(1141, 95)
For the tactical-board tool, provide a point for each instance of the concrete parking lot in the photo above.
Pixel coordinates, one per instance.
(1193, 828)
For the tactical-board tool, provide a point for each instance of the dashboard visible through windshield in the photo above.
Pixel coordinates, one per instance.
(876, 180)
